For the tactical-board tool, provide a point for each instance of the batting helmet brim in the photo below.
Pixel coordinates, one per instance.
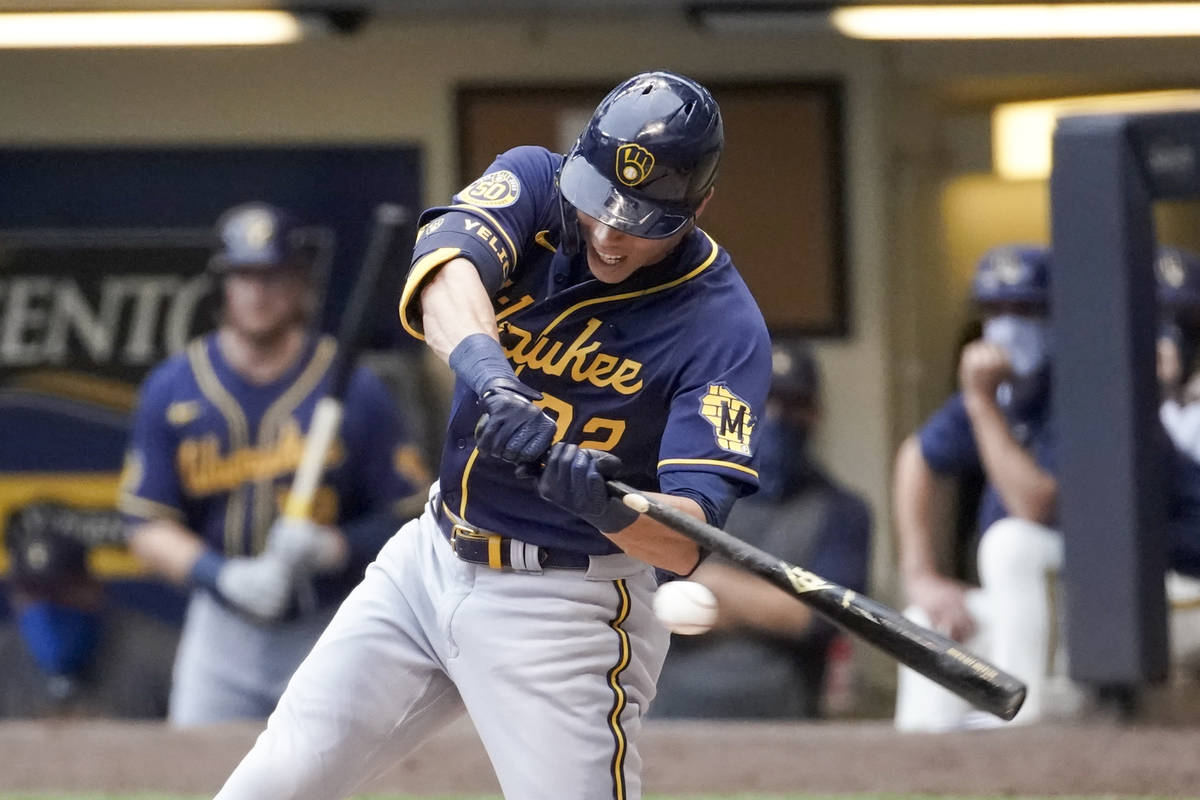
(590, 192)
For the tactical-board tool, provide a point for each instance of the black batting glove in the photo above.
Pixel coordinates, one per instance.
(513, 428)
(574, 479)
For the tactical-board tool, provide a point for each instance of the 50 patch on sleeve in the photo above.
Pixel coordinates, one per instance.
(495, 190)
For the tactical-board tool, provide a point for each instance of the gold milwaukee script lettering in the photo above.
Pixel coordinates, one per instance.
(204, 470)
(578, 359)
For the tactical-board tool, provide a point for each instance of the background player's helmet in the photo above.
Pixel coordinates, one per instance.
(648, 157)
(1013, 274)
(261, 236)
(1177, 275)
(795, 376)
(43, 559)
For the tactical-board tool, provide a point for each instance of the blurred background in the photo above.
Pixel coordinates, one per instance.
(863, 180)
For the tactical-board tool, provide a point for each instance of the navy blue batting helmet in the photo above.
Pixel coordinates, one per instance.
(1177, 273)
(648, 157)
(1013, 274)
(42, 558)
(794, 372)
(259, 235)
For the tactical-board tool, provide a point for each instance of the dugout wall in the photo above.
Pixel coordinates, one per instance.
(1108, 172)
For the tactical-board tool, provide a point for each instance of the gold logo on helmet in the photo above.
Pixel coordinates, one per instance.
(259, 228)
(634, 163)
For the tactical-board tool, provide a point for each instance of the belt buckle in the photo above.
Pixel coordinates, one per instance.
(460, 531)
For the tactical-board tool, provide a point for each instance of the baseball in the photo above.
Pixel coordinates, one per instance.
(685, 607)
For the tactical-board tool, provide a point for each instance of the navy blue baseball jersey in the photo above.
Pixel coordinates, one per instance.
(217, 453)
(668, 369)
(949, 447)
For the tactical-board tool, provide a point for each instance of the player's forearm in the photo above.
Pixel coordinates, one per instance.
(1027, 490)
(166, 548)
(657, 544)
(920, 502)
(455, 305)
(747, 601)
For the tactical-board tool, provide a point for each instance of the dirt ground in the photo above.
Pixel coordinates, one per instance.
(681, 757)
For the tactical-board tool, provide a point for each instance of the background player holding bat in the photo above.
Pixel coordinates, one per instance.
(217, 435)
(578, 303)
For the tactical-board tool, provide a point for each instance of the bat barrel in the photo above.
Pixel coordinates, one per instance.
(938, 658)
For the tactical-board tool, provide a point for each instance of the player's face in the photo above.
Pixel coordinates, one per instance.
(614, 255)
(263, 305)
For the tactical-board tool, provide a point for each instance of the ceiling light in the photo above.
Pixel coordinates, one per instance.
(1023, 133)
(152, 28)
(1032, 21)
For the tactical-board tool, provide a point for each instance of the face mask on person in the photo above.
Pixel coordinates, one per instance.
(61, 639)
(781, 457)
(1025, 339)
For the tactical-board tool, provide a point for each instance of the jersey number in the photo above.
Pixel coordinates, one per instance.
(609, 431)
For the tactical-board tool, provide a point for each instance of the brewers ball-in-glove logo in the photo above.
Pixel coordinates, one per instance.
(730, 417)
(495, 190)
(634, 163)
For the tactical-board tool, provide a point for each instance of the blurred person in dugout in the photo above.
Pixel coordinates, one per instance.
(217, 435)
(1013, 617)
(998, 423)
(767, 654)
(1177, 274)
(68, 650)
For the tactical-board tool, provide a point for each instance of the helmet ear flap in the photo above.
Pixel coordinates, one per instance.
(572, 237)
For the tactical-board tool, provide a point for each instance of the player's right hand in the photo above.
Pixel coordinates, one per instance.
(513, 428)
(259, 586)
(945, 601)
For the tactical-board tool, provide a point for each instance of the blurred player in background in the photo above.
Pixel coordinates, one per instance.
(999, 422)
(69, 651)
(1177, 275)
(578, 304)
(766, 655)
(217, 435)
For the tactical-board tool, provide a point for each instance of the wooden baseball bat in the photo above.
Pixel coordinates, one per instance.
(937, 657)
(327, 416)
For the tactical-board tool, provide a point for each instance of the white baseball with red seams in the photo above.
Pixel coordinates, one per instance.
(685, 607)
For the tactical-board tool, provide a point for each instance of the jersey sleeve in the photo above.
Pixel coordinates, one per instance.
(489, 222)
(386, 467)
(714, 411)
(947, 442)
(383, 455)
(149, 481)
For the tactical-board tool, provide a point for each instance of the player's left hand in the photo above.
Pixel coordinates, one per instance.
(574, 478)
(307, 545)
(513, 428)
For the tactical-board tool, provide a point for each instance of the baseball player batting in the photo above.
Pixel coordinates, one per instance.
(583, 311)
(217, 436)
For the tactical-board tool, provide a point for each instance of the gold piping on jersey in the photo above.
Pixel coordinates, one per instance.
(148, 509)
(272, 422)
(416, 276)
(711, 462)
(462, 504)
(640, 292)
(239, 436)
(620, 700)
(540, 238)
(512, 248)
